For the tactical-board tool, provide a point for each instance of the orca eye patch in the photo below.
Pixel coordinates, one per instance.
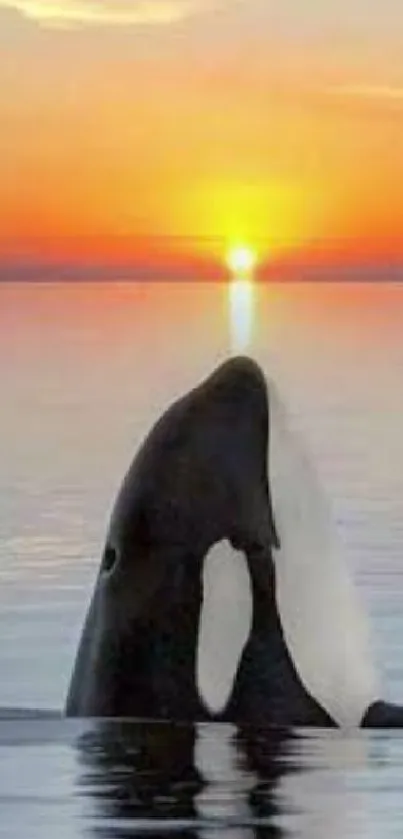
(224, 626)
(110, 559)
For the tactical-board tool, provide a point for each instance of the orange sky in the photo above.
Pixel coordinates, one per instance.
(212, 127)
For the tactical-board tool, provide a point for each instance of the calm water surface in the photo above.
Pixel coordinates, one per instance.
(84, 372)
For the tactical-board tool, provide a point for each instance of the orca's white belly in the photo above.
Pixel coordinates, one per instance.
(324, 625)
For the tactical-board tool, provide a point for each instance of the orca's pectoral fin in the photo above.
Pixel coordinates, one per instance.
(383, 715)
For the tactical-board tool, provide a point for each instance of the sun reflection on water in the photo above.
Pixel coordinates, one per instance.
(242, 301)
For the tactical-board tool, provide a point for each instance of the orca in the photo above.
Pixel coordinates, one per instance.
(221, 594)
(198, 479)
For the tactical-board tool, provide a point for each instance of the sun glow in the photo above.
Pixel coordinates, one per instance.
(242, 260)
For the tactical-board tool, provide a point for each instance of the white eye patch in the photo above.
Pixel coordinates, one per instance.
(225, 624)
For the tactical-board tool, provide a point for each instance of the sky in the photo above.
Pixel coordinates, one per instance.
(155, 132)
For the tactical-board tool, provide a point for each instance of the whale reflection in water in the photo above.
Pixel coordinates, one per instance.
(111, 779)
(195, 782)
(182, 779)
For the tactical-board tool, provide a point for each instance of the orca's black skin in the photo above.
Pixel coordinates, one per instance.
(268, 690)
(383, 715)
(200, 477)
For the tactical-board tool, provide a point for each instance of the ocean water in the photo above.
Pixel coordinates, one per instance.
(84, 371)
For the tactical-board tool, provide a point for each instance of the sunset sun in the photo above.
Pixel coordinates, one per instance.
(242, 260)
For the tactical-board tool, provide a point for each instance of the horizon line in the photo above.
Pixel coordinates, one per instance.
(93, 272)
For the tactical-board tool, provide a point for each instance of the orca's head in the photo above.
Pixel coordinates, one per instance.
(199, 478)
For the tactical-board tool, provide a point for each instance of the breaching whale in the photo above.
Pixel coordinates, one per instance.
(201, 607)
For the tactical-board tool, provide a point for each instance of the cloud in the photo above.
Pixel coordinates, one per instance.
(109, 12)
